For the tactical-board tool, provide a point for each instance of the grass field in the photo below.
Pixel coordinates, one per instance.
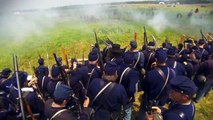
(29, 34)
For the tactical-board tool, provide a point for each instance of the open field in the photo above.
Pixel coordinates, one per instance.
(29, 34)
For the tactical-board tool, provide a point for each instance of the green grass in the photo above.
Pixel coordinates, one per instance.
(76, 35)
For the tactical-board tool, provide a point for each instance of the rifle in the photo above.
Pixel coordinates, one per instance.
(39, 92)
(99, 53)
(145, 36)
(15, 64)
(203, 36)
(136, 36)
(64, 52)
(155, 40)
(63, 73)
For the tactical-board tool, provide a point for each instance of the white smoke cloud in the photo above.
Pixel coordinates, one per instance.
(160, 22)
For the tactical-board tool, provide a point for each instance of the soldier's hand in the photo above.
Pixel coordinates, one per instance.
(86, 102)
(33, 81)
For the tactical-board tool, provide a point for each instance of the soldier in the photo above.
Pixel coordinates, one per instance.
(173, 63)
(154, 84)
(5, 73)
(205, 85)
(55, 80)
(149, 56)
(181, 94)
(55, 109)
(128, 77)
(192, 63)
(41, 70)
(81, 80)
(4, 79)
(32, 102)
(139, 56)
(107, 96)
(116, 54)
(42, 73)
(201, 45)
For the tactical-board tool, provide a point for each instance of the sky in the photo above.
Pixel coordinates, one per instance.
(42, 4)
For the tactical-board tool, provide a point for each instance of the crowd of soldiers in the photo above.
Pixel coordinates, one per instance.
(104, 86)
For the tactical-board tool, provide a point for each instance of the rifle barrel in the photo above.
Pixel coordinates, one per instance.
(15, 63)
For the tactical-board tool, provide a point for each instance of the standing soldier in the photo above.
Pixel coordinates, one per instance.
(139, 56)
(181, 94)
(108, 97)
(55, 109)
(204, 52)
(41, 70)
(81, 80)
(155, 84)
(173, 63)
(55, 80)
(204, 85)
(128, 77)
(149, 54)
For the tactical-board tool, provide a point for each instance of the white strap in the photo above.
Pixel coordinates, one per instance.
(101, 91)
(123, 75)
(42, 84)
(60, 111)
(57, 85)
(167, 78)
(137, 60)
(175, 64)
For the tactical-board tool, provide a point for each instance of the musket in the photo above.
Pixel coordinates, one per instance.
(136, 36)
(39, 92)
(99, 53)
(145, 36)
(203, 36)
(62, 71)
(48, 63)
(153, 37)
(21, 100)
(65, 55)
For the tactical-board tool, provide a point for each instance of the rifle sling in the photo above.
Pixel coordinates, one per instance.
(165, 78)
(105, 95)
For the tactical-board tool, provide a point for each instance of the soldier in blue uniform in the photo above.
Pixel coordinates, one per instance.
(201, 46)
(107, 96)
(154, 84)
(128, 77)
(205, 85)
(42, 70)
(139, 56)
(181, 94)
(55, 109)
(116, 54)
(4, 79)
(80, 81)
(31, 99)
(55, 80)
(5, 73)
(149, 53)
(173, 63)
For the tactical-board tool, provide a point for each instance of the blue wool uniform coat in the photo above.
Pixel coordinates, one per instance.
(129, 81)
(114, 101)
(172, 114)
(153, 83)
